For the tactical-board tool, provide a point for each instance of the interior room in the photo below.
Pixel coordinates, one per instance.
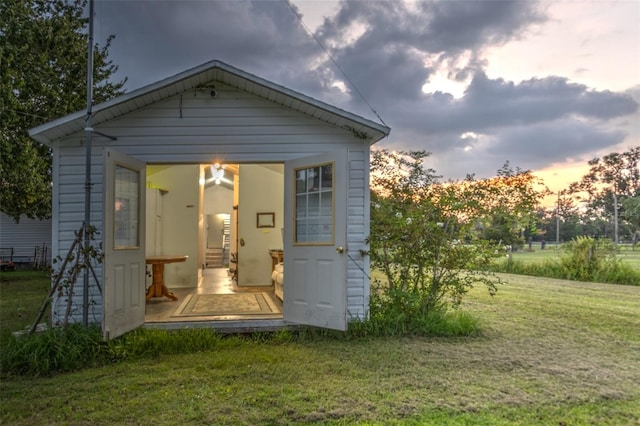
(227, 219)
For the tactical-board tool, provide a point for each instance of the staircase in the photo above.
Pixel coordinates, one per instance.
(215, 257)
(218, 257)
(226, 245)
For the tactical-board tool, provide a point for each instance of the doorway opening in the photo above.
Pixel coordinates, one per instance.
(228, 220)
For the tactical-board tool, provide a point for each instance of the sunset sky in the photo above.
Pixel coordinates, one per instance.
(546, 85)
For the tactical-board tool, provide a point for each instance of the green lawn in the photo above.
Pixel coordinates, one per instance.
(551, 352)
(21, 296)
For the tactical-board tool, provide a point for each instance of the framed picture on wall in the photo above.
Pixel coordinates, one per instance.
(266, 220)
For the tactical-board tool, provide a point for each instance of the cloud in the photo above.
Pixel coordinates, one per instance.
(489, 105)
(397, 47)
(531, 147)
(389, 50)
(457, 26)
(532, 124)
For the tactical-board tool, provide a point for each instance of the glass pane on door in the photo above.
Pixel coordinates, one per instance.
(314, 205)
(126, 208)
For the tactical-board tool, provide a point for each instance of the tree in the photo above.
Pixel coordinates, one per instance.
(610, 180)
(509, 205)
(632, 216)
(501, 229)
(43, 69)
(564, 220)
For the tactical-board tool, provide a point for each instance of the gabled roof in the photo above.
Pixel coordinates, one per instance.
(197, 77)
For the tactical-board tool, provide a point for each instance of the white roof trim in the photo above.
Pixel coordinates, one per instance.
(194, 77)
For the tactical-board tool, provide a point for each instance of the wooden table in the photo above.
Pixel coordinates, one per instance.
(158, 288)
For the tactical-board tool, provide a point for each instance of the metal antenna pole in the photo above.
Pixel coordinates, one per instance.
(87, 184)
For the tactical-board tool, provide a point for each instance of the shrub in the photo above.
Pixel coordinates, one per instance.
(417, 230)
(586, 256)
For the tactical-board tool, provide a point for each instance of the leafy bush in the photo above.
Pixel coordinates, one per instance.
(417, 232)
(586, 256)
(426, 236)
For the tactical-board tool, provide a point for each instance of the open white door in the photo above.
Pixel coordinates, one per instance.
(315, 288)
(124, 244)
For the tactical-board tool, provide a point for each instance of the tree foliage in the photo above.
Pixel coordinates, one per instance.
(510, 200)
(43, 68)
(611, 180)
(631, 214)
(424, 234)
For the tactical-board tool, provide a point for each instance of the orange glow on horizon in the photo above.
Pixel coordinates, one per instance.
(559, 177)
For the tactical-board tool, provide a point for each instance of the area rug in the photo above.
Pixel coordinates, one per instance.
(227, 304)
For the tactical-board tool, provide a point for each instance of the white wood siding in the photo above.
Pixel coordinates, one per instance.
(23, 237)
(68, 216)
(357, 232)
(194, 128)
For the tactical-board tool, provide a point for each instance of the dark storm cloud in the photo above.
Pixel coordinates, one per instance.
(156, 39)
(460, 25)
(544, 99)
(446, 27)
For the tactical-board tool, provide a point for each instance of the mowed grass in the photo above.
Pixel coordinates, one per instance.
(551, 352)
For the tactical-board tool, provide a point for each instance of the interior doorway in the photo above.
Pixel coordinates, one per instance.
(218, 240)
(212, 213)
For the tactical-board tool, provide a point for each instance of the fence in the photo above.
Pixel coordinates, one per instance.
(10, 261)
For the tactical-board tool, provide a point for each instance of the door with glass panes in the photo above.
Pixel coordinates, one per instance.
(124, 244)
(315, 288)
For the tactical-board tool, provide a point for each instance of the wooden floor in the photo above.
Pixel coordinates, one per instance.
(214, 281)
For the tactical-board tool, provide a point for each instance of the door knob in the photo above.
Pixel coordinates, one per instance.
(340, 249)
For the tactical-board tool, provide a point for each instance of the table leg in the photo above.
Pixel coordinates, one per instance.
(169, 294)
(158, 289)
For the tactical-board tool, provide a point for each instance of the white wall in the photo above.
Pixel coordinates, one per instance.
(180, 211)
(261, 190)
(153, 222)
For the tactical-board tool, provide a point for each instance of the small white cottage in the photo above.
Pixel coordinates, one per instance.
(222, 200)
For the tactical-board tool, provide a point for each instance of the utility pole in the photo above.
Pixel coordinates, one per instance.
(615, 216)
(558, 221)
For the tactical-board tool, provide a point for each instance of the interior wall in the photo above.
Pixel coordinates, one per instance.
(261, 190)
(153, 221)
(180, 216)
